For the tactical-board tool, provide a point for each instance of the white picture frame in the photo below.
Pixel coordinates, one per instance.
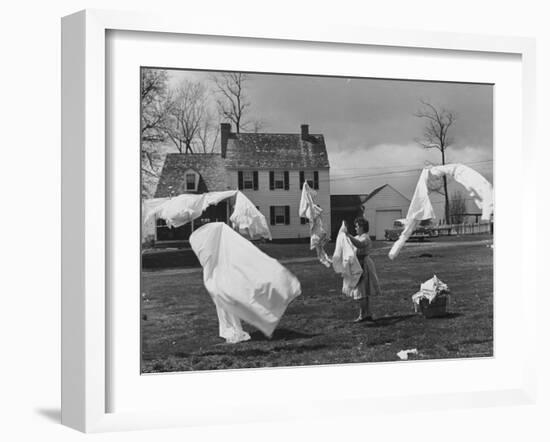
(85, 218)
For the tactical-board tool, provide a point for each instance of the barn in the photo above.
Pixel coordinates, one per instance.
(382, 207)
(344, 208)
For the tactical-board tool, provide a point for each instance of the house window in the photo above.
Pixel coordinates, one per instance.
(312, 178)
(308, 176)
(191, 181)
(248, 180)
(279, 180)
(279, 215)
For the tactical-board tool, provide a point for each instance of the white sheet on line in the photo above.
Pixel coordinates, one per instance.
(431, 179)
(317, 233)
(244, 283)
(477, 186)
(184, 208)
(248, 220)
(345, 262)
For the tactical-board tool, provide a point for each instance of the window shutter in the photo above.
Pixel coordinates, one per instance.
(272, 215)
(286, 179)
(271, 180)
(302, 179)
(255, 180)
(241, 185)
(316, 180)
(287, 214)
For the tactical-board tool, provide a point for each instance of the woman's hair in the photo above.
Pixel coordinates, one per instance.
(362, 222)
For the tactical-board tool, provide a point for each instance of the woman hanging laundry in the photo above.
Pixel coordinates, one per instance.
(368, 284)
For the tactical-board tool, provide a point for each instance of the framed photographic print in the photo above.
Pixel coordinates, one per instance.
(252, 213)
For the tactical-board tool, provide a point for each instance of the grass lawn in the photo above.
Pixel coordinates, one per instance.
(180, 326)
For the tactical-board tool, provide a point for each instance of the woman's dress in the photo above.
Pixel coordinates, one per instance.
(368, 285)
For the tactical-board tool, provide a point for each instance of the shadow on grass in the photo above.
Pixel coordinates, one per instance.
(425, 255)
(448, 316)
(281, 334)
(386, 321)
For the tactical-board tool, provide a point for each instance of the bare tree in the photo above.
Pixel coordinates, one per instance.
(155, 108)
(457, 207)
(208, 134)
(187, 114)
(436, 136)
(232, 102)
(256, 125)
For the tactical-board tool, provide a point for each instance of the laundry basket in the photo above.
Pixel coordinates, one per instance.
(436, 308)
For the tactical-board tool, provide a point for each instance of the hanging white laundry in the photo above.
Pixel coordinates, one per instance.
(149, 205)
(419, 209)
(245, 283)
(248, 220)
(345, 262)
(317, 233)
(478, 187)
(431, 179)
(186, 207)
(148, 223)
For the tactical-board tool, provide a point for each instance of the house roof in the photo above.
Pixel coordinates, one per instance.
(346, 202)
(379, 189)
(210, 167)
(373, 193)
(276, 151)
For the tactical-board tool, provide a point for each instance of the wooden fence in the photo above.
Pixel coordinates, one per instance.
(465, 228)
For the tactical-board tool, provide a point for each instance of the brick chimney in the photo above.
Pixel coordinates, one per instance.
(305, 132)
(225, 130)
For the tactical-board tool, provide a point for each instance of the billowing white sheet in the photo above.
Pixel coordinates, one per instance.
(345, 262)
(245, 283)
(184, 208)
(431, 179)
(317, 233)
(477, 186)
(248, 220)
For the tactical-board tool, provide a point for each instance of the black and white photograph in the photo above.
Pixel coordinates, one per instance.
(300, 220)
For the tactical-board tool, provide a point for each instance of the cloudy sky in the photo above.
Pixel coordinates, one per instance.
(369, 124)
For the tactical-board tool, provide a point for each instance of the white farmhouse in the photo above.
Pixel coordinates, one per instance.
(268, 168)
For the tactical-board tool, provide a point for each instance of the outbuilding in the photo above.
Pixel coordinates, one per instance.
(382, 207)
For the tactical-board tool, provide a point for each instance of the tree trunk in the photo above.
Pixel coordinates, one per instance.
(447, 211)
(188, 148)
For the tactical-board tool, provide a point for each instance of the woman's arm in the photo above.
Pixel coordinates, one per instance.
(359, 243)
